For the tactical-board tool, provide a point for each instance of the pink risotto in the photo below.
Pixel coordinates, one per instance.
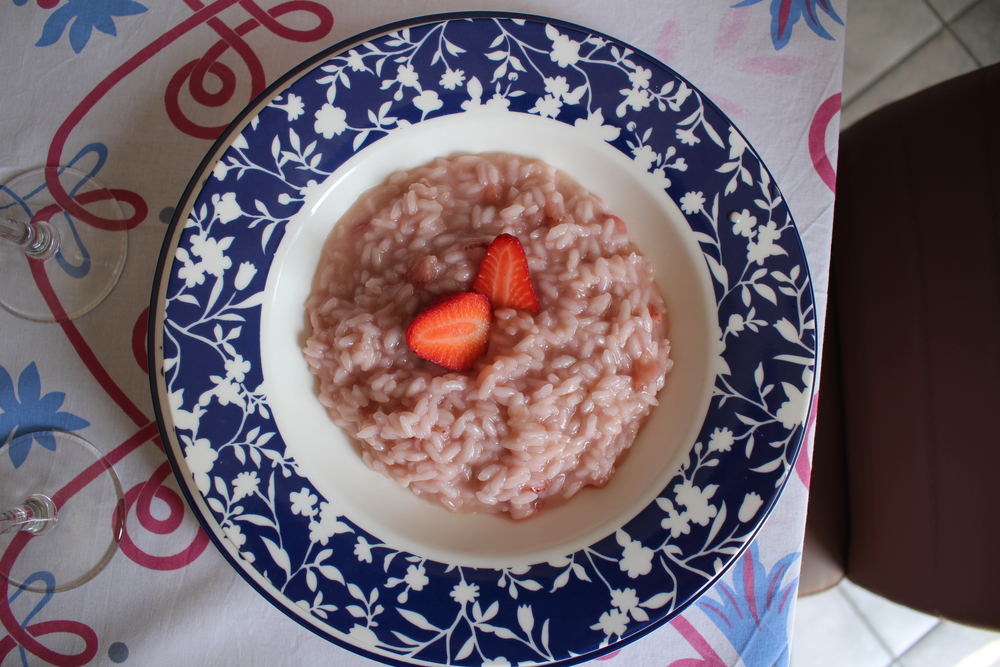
(556, 398)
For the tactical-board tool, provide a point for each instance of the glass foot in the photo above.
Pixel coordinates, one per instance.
(90, 257)
(76, 544)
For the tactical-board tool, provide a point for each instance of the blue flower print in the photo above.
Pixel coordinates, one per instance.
(753, 613)
(27, 411)
(85, 15)
(786, 13)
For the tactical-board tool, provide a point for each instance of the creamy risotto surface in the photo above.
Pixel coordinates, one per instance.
(557, 397)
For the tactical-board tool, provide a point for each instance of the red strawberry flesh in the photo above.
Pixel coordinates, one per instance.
(504, 276)
(452, 331)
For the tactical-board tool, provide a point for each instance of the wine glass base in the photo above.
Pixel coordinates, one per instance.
(90, 258)
(91, 511)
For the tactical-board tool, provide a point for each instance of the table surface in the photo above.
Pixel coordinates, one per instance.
(103, 83)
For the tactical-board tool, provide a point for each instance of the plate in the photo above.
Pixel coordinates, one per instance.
(284, 495)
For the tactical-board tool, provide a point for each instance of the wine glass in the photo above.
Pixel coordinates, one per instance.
(60, 256)
(65, 511)
(63, 245)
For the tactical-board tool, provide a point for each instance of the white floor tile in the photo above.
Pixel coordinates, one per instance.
(949, 9)
(979, 29)
(952, 645)
(987, 656)
(828, 633)
(879, 34)
(899, 627)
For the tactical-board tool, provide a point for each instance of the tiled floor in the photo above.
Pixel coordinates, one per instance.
(849, 627)
(895, 48)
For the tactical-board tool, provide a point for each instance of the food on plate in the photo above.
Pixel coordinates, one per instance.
(452, 331)
(504, 276)
(487, 333)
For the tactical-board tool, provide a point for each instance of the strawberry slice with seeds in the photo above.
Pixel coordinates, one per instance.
(504, 277)
(452, 331)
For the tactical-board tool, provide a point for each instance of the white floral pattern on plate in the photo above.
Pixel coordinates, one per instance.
(347, 584)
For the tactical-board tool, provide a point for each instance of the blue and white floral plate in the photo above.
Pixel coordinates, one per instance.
(347, 553)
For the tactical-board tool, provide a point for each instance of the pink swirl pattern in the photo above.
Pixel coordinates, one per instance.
(817, 140)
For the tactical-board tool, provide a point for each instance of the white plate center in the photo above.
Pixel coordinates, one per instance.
(395, 516)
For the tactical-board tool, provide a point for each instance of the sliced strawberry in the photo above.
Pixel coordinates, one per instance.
(504, 277)
(452, 331)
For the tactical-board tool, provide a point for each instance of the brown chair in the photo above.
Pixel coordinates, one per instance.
(905, 491)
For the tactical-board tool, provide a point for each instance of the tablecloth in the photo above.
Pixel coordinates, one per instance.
(104, 84)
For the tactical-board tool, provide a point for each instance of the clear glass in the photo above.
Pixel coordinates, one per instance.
(59, 259)
(62, 511)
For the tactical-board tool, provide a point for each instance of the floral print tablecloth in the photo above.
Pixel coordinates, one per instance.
(135, 92)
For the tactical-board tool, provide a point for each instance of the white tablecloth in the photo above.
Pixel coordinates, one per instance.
(101, 82)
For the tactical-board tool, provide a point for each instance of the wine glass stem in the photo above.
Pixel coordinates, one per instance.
(37, 516)
(38, 240)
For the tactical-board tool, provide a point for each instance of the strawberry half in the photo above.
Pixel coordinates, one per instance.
(452, 331)
(504, 277)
